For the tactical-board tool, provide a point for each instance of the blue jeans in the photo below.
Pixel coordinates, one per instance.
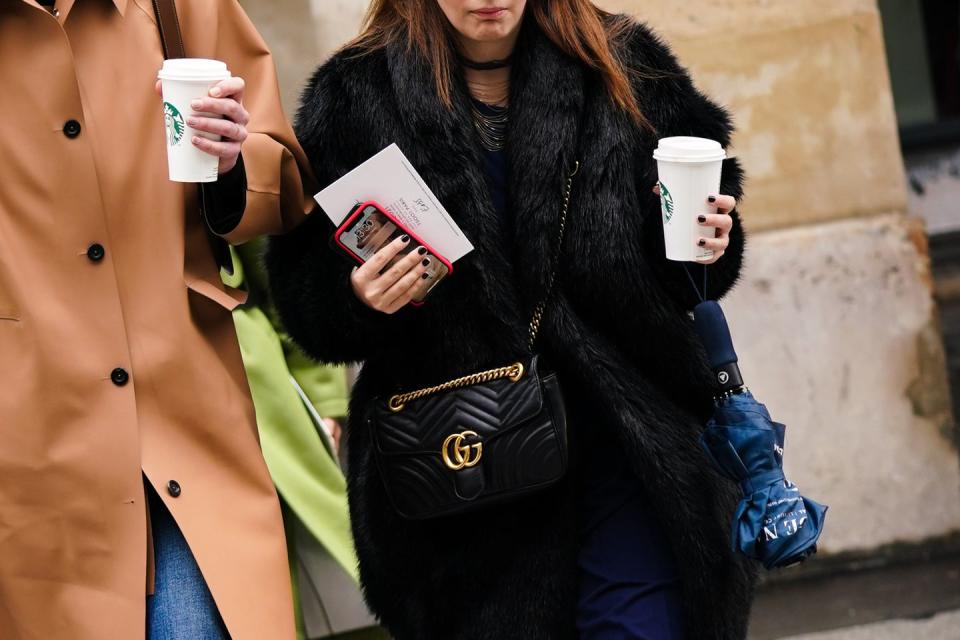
(181, 607)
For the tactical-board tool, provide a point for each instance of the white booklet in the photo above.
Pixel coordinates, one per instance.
(391, 181)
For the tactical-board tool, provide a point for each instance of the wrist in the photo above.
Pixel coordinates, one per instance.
(227, 199)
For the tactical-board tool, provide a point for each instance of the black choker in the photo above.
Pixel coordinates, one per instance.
(486, 66)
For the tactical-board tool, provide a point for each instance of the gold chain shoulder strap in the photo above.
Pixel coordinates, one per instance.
(534, 329)
(514, 371)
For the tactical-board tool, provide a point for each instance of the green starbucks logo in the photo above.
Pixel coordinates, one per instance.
(175, 125)
(666, 202)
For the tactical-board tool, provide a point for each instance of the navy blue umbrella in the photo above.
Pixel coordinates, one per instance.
(774, 523)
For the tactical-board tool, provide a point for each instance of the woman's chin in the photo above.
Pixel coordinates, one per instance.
(490, 32)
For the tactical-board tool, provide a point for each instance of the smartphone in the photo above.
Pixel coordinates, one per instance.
(370, 227)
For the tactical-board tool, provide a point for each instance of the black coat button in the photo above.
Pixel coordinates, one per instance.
(119, 377)
(96, 252)
(71, 128)
(173, 488)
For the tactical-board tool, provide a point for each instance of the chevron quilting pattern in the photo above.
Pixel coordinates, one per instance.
(522, 426)
(487, 409)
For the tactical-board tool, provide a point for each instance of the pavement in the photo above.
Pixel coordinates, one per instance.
(944, 626)
(907, 599)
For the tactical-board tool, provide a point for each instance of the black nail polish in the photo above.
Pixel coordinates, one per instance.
(712, 199)
(405, 239)
(422, 251)
(425, 276)
(425, 263)
(702, 243)
(702, 218)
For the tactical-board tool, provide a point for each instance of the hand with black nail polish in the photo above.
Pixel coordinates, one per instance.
(387, 282)
(717, 226)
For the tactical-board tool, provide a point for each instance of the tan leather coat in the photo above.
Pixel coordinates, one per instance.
(118, 357)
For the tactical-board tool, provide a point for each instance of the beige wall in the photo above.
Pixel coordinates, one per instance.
(808, 86)
(834, 319)
(301, 34)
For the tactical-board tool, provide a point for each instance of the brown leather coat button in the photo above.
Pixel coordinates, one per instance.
(173, 488)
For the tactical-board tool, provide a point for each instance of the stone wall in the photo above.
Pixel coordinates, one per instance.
(834, 319)
(808, 86)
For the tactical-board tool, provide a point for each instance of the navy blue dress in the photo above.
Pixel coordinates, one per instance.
(629, 586)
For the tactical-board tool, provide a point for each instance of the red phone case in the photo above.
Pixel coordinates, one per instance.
(370, 203)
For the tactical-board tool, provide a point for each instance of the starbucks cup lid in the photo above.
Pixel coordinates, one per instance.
(194, 69)
(689, 149)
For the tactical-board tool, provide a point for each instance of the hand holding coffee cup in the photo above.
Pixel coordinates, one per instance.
(696, 218)
(226, 101)
(716, 226)
(204, 116)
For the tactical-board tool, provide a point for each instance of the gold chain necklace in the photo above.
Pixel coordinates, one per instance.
(491, 127)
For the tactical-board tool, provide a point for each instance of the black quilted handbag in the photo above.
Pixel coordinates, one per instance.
(479, 440)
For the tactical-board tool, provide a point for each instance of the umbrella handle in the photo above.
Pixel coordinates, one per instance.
(714, 332)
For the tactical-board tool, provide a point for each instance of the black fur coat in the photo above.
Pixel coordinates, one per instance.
(617, 331)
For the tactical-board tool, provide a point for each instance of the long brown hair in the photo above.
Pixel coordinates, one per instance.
(577, 27)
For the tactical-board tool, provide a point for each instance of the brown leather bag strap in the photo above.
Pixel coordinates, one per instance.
(172, 40)
(169, 26)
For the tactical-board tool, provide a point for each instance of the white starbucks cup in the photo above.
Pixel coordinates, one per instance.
(185, 80)
(689, 172)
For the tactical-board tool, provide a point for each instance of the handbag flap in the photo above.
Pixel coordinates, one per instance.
(489, 409)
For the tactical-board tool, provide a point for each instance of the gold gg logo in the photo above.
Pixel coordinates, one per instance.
(457, 455)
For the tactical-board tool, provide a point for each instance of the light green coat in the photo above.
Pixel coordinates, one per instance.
(303, 467)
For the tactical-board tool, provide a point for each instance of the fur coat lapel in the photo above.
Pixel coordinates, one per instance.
(546, 107)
